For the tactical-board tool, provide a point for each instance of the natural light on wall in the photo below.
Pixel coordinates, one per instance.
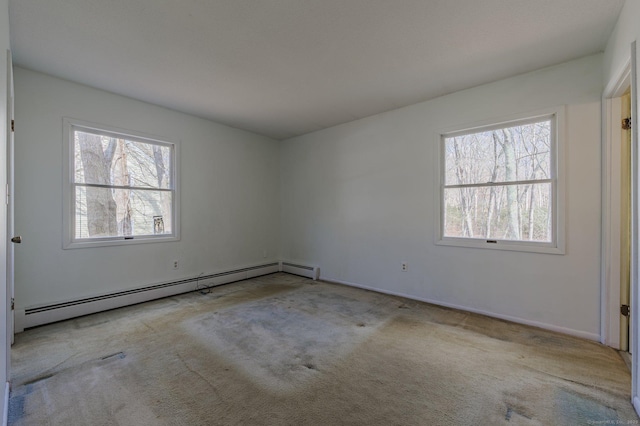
(499, 184)
(122, 187)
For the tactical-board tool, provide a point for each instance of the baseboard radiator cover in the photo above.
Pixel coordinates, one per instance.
(307, 271)
(40, 315)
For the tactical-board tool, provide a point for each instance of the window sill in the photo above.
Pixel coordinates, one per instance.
(117, 242)
(544, 248)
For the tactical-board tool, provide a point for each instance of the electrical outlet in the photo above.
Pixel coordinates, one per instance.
(404, 266)
(175, 264)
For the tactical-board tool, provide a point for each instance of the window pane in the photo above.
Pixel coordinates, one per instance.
(509, 212)
(106, 160)
(511, 154)
(106, 212)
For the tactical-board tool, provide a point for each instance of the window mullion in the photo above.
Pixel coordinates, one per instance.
(489, 184)
(135, 188)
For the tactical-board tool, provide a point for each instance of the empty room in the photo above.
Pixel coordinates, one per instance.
(227, 212)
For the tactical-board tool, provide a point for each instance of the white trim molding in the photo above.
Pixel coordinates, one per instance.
(610, 271)
(634, 342)
(518, 320)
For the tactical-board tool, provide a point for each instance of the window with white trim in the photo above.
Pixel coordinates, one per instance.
(120, 189)
(499, 186)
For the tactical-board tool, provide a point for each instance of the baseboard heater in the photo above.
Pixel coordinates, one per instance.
(312, 272)
(39, 315)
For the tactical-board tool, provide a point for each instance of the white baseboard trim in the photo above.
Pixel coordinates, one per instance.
(5, 411)
(551, 327)
(39, 315)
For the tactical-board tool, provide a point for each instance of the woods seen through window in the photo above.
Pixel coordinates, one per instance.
(499, 183)
(122, 186)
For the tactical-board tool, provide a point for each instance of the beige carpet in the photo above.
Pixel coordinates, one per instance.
(283, 350)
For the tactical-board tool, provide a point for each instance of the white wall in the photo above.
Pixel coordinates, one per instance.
(229, 195)
(618, 47)
(359, 198)
(4, 336)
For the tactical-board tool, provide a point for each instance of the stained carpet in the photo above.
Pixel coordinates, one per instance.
(284, 350)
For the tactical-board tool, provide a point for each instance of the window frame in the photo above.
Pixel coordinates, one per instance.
(69, 240)
(557, 244)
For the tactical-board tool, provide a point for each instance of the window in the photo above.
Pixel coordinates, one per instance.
(500, 188)
(120, 189)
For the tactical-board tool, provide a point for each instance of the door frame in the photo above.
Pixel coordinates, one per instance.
(6, 310)
(10, 199)
(611, 209)
(610, 272)
(634, 341)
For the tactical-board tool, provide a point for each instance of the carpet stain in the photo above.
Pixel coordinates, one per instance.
(16, 408)
(264, 338)
(573, 408)
(117, 355)
(39, 379)
(515, 414)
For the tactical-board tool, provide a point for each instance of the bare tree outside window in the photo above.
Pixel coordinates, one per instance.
(122, 186)
(498, 183)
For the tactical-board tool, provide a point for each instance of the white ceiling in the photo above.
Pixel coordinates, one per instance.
(288, 67)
